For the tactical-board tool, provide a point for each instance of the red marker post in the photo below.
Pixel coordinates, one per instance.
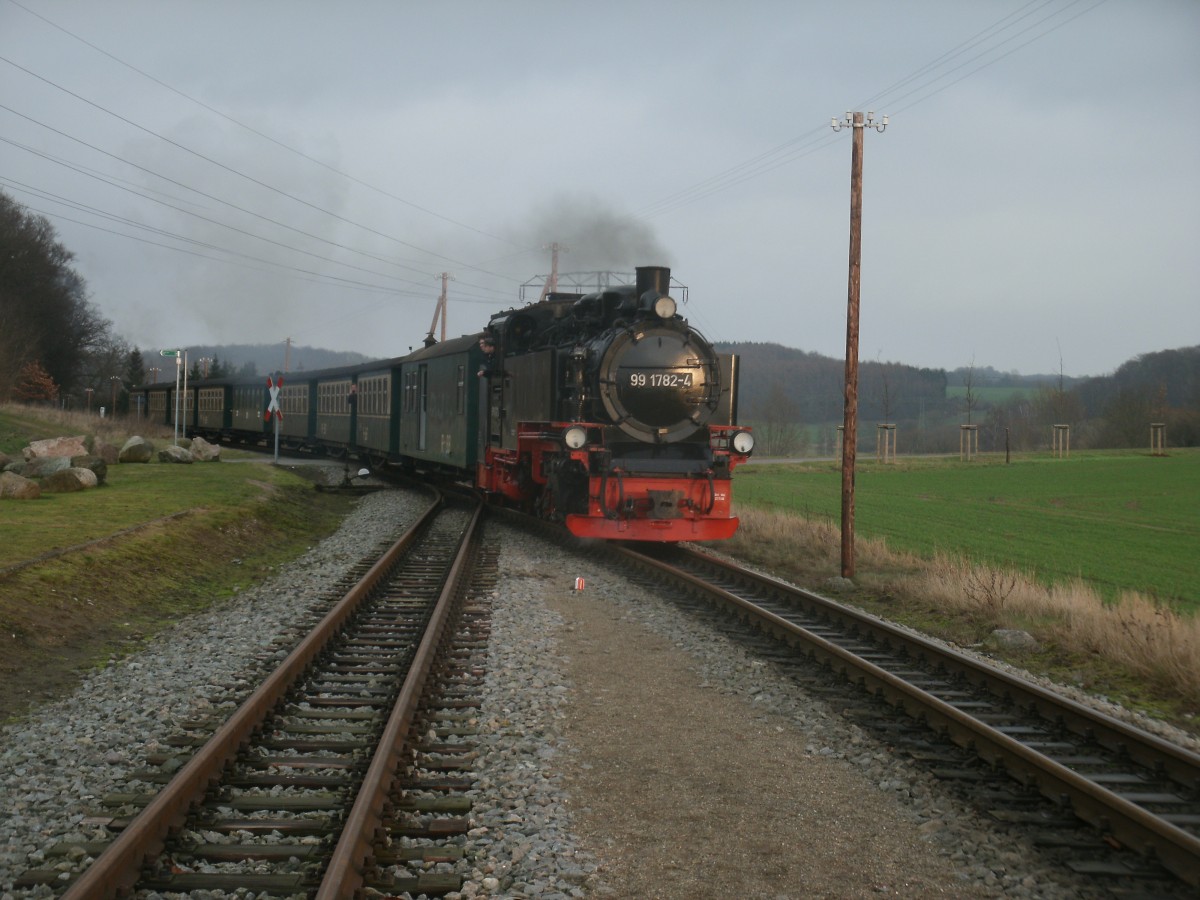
(273, 410)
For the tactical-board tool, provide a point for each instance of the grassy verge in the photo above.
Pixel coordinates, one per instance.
(209, 531)
(958, 551)
(20, 424)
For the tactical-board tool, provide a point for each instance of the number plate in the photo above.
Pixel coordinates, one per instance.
(660, 379)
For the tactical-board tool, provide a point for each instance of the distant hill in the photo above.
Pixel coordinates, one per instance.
(797, 397)
(810, 387)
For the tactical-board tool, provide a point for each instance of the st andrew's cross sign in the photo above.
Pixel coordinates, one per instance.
(273, 387)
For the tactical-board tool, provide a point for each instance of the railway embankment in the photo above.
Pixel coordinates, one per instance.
(86, 577)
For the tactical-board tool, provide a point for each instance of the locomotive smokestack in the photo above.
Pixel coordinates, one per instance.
(653, 278)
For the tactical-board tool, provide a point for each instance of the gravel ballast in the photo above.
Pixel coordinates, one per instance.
(626, 749)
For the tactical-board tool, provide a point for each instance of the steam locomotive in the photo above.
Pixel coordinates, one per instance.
(604, 411)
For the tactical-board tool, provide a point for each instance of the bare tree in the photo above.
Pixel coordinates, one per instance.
(16, 348)
(970, 398)
(779, 430)
(887, 394)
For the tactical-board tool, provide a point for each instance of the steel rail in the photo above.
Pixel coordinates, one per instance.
(1177, 763)
(1132, 825)
(116, 870)
(346, 872)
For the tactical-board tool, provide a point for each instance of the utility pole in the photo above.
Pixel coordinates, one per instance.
(442, 303)
(551, 284)
(439, 312)
(287, 353)
(859, 124)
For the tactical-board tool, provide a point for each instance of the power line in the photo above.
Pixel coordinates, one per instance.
(1002, 56)
(133, 237)
(228, 169)
(925, 77)
(202, 218)
(971, 42)
(236, 230)
(219, 200)
(256, 132)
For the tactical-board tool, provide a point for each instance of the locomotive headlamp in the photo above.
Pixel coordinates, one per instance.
(575, 437)
(664, 307)
(742, 442)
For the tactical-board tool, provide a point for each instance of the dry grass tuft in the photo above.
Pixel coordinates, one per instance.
(112, 429)
(1150, 639)
(1134, 635)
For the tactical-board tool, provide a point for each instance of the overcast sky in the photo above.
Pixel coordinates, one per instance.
(246, 171)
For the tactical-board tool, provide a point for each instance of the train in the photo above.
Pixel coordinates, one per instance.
(604, 411)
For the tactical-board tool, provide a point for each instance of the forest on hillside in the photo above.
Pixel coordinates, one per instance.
(795, 399)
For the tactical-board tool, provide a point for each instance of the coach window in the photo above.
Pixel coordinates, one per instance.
(460, 397)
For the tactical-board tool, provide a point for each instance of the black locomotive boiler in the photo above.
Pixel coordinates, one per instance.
(609, 412)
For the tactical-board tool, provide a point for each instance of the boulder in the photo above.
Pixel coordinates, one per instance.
(106, 451)
(5, 459)
(96, 464)
(174, 454)
(1012, 639)
(203, 451)
(62, 446)
(45, 466)
(136, 450)
(69, 480)
(14, 487)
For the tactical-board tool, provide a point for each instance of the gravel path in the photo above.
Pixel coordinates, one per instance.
(720, 780)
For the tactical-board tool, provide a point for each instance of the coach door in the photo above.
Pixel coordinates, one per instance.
(423, 411)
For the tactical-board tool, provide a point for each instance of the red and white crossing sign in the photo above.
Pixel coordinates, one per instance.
(273, 407)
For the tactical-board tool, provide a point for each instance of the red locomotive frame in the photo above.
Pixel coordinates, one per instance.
(621, 504)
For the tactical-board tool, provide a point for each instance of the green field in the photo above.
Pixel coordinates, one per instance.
(989, 394)
(1120, 520)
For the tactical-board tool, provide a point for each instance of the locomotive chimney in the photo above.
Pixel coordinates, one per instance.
(653, 278)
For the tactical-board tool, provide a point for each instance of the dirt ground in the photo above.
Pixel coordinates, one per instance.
(661, 786)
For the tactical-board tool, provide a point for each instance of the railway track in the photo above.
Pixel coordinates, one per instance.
(1138, 794)
(355, 741)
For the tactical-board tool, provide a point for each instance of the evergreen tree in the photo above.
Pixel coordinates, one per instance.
(135, 370)
(44, 311)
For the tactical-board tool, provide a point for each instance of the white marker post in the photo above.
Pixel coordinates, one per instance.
(181, 363)
(175, 354)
